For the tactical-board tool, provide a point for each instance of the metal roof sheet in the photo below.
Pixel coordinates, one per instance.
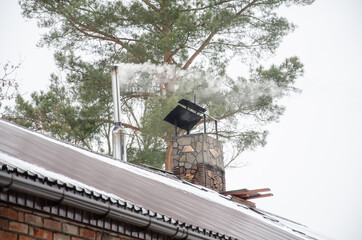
(159, 194)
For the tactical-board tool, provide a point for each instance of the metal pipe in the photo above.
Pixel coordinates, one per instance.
(116, 94)
(175, 127)
(118, 136)
(41, 190)
(119, 142)
(215, 120)
(217, 135)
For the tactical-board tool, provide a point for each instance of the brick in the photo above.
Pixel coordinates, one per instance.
(20, 216)
(77, 238)
(23, 237)
(107, 236)
(54, 225)
(33, 219)
(8, 213)
(104, 236)
(41, 233)
(31, 230)
(99, 236)
(18, 227)
(22, 209)
(8, 235)
(87, 233)
(4, 223)
(71, 229)
(59, 236)
(117, 238)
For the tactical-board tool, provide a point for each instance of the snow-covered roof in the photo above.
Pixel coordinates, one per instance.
(156, 194)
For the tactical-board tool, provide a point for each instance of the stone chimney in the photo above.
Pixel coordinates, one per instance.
(198, 158)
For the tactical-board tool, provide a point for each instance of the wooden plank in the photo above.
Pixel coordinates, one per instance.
(241, 192)
(259, 196)
(242, 201)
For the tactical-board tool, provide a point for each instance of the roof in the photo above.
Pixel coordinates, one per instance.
(156, 194)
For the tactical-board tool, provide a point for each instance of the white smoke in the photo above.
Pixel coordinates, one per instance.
(147, 77)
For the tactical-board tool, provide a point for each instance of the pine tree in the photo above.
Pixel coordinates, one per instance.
(199, 37)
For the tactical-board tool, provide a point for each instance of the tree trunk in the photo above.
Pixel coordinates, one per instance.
(169, 158)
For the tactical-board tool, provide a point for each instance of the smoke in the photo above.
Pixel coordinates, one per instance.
(147, 77)
(146, 74)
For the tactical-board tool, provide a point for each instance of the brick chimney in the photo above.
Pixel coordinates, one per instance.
(198, 158)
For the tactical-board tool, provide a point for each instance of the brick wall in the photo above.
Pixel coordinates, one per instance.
(18, 223)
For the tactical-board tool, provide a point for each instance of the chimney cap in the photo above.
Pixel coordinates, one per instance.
(192, 105)
(182, 118)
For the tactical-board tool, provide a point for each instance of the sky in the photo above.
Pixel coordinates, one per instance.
(313, 159)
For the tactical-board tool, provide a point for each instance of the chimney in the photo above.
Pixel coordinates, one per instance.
(118, 136)
(197, 158)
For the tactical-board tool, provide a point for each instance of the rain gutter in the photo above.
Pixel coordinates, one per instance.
(60, 196)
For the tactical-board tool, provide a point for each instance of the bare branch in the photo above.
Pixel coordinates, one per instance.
(8, 83)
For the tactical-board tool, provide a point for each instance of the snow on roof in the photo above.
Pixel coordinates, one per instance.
(26, 150)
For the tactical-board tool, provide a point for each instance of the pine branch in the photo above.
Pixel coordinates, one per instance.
(86, 29)
(151, 5)
(206, 7)
(212, 34)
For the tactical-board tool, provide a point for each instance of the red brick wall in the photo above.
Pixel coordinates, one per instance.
(17, 223)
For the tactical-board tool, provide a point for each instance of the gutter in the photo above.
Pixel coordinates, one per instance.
(60, 196)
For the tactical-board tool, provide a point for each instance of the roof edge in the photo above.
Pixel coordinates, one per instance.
(61, 196)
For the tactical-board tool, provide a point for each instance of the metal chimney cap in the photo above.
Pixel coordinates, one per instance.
(192, 105)
(182, 118)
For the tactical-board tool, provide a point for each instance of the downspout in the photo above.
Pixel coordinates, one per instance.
(118, 136)
(59, 196)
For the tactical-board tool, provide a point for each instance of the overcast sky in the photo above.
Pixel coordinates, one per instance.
(312, 161)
